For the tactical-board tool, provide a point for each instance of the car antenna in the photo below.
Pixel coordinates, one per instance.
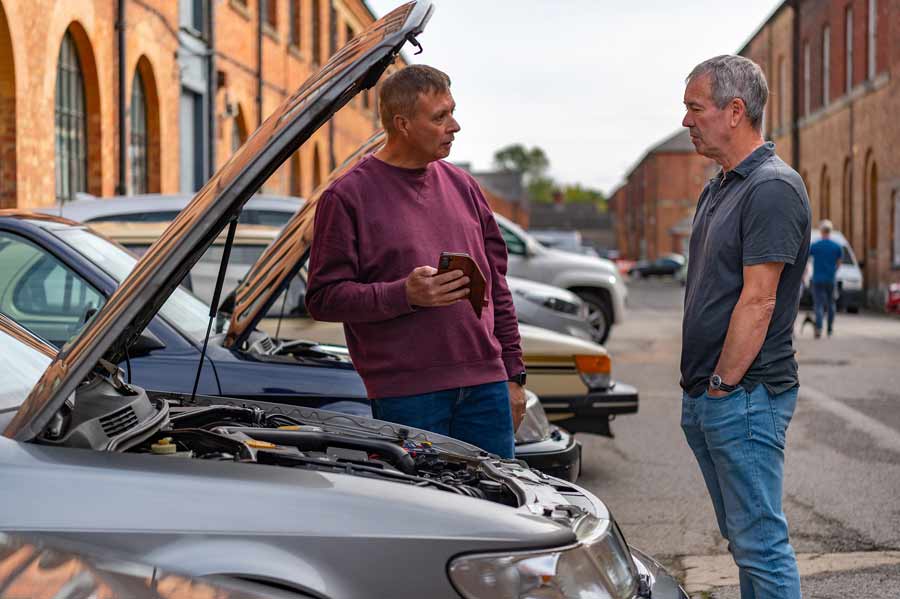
(214, 304)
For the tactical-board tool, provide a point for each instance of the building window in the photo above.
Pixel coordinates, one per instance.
(807, 71)
(269, 10)
(847, 201)
(872, 37)
(848, 44)
(826, 65)
(316, 32)
(296, 181)
(71, 125)
(238, 133)
(193, 15)
(191, 142)
(137, 147)
(349, 34)
(825, 195)
(294, 22)
(895, 233)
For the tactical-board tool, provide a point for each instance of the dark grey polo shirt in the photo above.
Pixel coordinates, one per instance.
(756, 213)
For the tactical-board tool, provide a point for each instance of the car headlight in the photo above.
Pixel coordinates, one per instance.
(598, 566)
(595, 370)
(535, 426)
(557, 304)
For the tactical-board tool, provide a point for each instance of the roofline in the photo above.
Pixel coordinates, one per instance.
(769, 19)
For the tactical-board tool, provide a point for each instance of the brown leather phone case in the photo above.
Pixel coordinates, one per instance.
(464, 262)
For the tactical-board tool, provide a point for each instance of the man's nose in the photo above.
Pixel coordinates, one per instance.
(687, 121)
(454, 125)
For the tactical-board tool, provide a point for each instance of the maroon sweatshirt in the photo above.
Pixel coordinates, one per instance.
(373, 226)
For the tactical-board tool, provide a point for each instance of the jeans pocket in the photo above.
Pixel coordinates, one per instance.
(782, 408)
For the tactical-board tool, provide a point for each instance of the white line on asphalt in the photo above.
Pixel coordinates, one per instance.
(706, 572)
(882, 434)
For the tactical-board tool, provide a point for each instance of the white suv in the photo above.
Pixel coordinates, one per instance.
(595, 280)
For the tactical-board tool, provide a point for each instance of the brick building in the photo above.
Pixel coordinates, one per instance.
(833, 68)
(658, 193)
(196, 77)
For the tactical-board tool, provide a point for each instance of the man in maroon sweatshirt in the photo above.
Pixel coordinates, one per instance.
(426, 359)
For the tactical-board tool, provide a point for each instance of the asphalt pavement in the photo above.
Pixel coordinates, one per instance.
(842, 472)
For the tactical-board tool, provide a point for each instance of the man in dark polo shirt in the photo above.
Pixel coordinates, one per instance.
(748, 249)
(426, 359)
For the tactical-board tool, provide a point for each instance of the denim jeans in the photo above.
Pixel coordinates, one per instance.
(738, 441)
(479, 415)
(823, 298)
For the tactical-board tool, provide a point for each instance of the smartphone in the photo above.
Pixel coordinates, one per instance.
(450, 261)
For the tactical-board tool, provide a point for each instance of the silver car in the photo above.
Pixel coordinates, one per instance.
(552, 308)
(296, 498)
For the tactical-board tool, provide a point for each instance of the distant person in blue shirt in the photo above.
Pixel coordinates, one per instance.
(826, 254)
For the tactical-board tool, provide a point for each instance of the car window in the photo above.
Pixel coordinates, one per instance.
(41, 293)
(271, 218)
(21, 366)
(514, 245)
(136, 217)
(846, 258)
(182, 310)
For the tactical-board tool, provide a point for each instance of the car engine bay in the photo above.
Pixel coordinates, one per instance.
(108, 414)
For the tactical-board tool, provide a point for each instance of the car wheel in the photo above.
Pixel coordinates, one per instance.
(600, 314)
(852, 309)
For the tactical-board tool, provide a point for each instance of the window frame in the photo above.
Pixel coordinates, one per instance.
(138, 138)
(826, 65)
(848, 49)
(70, 118)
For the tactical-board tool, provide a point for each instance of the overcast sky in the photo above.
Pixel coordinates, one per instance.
(594, 83)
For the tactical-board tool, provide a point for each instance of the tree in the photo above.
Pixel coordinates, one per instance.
(577, 193)
(533, 164)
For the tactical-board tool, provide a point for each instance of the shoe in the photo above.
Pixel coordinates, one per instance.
(830, 332)
(818, 333)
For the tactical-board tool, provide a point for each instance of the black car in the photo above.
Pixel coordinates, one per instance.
(667, 265)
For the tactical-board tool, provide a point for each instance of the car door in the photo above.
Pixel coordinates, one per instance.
(517, 252)
(41, 293)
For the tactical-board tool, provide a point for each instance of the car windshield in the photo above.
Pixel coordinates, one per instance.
(182, 310)
(22, 366)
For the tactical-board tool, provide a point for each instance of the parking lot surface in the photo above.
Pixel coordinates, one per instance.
(842, 473)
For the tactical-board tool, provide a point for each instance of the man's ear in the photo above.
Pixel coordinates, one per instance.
(401, 125)
(738, 111)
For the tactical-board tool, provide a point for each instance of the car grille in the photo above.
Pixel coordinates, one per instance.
(119, 422)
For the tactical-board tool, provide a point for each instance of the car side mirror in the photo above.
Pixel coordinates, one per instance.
(144, 344)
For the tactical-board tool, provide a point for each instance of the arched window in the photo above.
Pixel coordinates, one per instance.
(296, 181)
(238, 131)
(825, 195)
(317, 169)
(137, 146)
(847, 202)
(316, 32)
(71, 124)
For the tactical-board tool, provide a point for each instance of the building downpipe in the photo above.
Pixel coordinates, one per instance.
(121, 186)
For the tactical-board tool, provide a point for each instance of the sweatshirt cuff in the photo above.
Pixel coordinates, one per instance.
(393, 299)
(514, 365)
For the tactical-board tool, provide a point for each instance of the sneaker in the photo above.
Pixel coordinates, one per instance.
(818, 333)
(830, 332)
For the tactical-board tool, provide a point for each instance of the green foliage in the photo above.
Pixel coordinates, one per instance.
(577, 193)
(541, 189)
(516, 157)
(533, 163)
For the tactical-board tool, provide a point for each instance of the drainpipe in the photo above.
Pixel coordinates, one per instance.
(121, 187)
(259, 62)
(213, 84)
(795, 75)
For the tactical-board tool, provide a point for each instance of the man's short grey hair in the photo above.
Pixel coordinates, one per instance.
(736, 77)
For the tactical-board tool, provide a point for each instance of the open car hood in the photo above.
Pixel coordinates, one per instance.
(355, 67)
(284, 257)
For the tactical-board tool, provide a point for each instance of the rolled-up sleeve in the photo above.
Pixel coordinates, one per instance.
(334, 291)
(774, 224)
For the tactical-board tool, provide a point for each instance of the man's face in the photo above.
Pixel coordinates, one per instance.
(431, 128)
(710, 126)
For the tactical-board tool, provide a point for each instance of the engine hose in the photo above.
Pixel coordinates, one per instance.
(319, 441)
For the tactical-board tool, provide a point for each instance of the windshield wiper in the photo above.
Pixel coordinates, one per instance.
(213, 306)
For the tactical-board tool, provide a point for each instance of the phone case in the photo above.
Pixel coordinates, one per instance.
(464, 262)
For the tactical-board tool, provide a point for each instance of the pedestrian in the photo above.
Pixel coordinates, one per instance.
(749, 246)
(826, 254)
(425, 357)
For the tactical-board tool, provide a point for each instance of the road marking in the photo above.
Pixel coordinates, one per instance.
(882, 434)
(707, 572)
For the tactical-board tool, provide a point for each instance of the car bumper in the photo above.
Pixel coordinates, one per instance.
(591, 413)
(662, 585)
(558, 456)
(559, 322)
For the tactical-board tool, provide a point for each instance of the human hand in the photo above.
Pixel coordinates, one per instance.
(426, 288)
(516, 403)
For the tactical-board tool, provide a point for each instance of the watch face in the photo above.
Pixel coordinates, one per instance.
(715, 380)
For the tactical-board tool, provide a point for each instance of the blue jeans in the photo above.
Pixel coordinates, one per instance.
(479, 415)
(823, 298)
(738, 441)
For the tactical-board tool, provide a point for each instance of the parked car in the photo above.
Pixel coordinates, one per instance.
(59, 273)
(293, 497)
(667, 265)
(595, 280)
(35, 568)
(261, 209)
(536, 304)
(849, 293)
(568, 241)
